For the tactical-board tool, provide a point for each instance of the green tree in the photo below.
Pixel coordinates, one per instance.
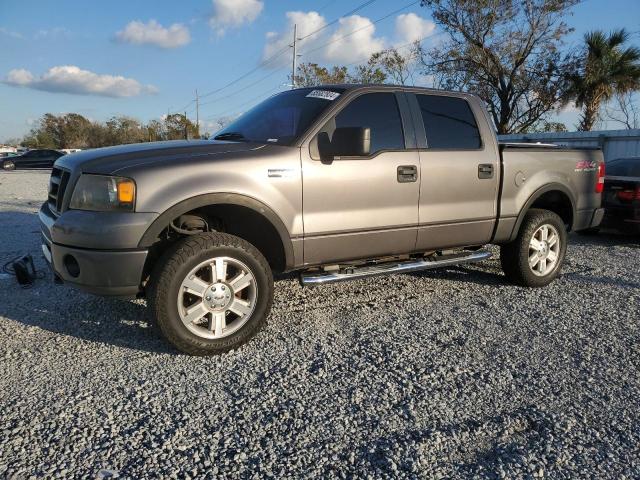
(46, 133)
(551, 127)
(179, 127)
(73, 131)
(607, 69)
(155, 131)
(312, 74)
(123, 129)
(505, 51)
(370, 72)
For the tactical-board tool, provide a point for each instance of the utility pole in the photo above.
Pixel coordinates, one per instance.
(293, 63)
(197, 114)
(186, 130)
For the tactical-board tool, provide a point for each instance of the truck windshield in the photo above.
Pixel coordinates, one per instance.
(282, 118)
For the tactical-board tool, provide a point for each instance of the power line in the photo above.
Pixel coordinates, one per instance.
(280, 52)
(235, 108)
(330, 2)
(333, 22)
(187, 105)
(361, 28)
(241, 77)
(399, 47)
(293, 64)
(243, 89)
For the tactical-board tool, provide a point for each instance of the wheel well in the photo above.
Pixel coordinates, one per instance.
(557, 202)
(238, 220)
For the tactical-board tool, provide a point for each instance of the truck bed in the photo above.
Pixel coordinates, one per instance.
(526, 166)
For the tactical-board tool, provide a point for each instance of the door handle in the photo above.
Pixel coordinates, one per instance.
(407, 173)
(485, 170)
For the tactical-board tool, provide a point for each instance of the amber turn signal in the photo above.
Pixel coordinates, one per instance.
(126, 191)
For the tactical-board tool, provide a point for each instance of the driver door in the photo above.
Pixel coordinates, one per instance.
(358, 207)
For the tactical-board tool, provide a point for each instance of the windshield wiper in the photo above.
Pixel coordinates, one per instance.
(230, 136)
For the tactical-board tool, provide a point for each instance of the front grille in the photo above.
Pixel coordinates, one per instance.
(57, 186)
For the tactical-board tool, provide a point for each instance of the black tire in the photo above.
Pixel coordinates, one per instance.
(8, 165)
(514, 256)
(177, 263)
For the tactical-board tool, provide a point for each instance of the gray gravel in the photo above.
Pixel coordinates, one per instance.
(450, 373)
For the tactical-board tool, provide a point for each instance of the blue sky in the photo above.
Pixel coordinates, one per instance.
(143, 58)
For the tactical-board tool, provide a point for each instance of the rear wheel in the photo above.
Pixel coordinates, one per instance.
(535, 257)
(212, 293)
(8, 165)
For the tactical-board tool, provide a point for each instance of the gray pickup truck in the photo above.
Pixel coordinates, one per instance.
(334, 182)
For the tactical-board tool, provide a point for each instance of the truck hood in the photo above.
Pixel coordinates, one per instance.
(110, 160)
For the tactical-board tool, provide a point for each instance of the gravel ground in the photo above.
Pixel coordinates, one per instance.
(449, 373)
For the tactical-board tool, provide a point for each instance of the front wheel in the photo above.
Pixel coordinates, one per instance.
(535, 257)
(8, 165)
(211, 293)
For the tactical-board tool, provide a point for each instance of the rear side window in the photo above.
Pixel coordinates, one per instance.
(377, 111)
(449, 123)
(623, 167)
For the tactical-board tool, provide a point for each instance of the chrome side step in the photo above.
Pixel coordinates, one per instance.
(365, 271)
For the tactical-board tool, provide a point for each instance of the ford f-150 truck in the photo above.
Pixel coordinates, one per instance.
(334, 182)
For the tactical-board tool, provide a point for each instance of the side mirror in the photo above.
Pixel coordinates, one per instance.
(346, 142)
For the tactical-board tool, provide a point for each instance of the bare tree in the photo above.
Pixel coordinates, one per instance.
(506, 52)
(399, 68)
(625, 111)
(221, 122)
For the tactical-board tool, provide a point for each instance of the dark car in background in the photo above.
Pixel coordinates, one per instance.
(32, 159)
(621, 198)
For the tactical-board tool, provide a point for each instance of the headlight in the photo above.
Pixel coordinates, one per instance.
(103, 193)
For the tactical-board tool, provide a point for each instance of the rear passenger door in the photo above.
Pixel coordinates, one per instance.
(459, 162)
(363, 207)
(30, 159)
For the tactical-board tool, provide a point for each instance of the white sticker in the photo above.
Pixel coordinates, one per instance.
(325, 94)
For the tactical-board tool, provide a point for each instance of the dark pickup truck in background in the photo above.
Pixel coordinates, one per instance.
(336, 182)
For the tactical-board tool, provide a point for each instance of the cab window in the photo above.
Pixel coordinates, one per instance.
(449, 123)
(377, 111)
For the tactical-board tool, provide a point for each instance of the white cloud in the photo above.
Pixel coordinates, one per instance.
(10, 33)
(19, 76)
(153, 33)
(410, 27)
(234, 13)
(306, 22)
(353, 40)
(72, 79)
(52, 33)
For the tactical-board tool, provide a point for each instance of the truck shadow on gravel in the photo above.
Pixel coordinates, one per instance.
(605, 238)
(112, 322)
(63, 310)
(464, 275)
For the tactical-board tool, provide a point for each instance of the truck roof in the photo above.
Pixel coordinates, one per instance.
(384, 86)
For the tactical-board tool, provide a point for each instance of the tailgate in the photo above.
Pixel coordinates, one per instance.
(621, 191)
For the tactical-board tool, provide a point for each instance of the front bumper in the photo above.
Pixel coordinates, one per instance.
(111, 272)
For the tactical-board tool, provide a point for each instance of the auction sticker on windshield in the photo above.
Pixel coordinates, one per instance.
(325, 94)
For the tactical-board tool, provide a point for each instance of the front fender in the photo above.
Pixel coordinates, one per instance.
(187, 205)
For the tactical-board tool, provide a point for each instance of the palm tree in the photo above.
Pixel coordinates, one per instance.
(608, 69)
